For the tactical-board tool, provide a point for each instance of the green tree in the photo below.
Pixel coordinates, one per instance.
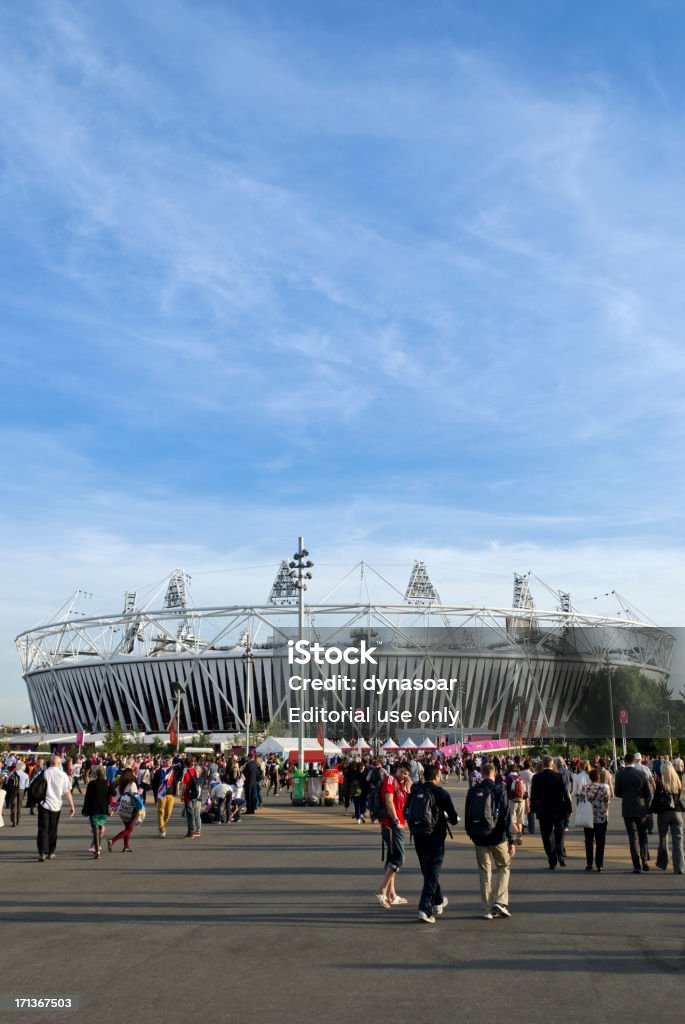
(114, 739)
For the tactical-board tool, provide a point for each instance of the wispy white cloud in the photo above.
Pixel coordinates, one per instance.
(394, 293)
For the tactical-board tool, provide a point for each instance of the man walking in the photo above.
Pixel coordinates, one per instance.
(191, 799)
(428, 809)
(164, 785)
(49, 809)
(394, 792)
(636, 792)
(16, 785)
(487, 821)
(551, 805)
(252, 771)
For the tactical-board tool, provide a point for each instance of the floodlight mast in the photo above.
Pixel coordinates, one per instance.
(299, 572)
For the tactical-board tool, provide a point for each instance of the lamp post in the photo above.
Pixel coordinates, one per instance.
(179, 689)
(299, 573)
(610, 673)
(670, 734)
(248, 658)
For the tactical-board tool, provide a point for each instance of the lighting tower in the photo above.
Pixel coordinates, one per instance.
(299, 573)
(284, 590)
(420, 589)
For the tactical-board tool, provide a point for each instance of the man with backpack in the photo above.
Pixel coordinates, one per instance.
(394, 792)
(428, 810)
(15, 785)
(487, 821)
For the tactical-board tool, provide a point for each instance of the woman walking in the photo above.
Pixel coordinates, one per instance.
(580, 780)
(95, 807)
(668, 806)
(128, 809)
(597, 794)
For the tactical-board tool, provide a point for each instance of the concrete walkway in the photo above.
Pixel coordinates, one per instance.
(274, 920)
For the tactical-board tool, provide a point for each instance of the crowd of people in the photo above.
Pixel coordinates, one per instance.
(210, 790)
(506, 798)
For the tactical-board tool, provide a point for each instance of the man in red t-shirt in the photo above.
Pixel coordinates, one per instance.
(191, 799)
(394, 793)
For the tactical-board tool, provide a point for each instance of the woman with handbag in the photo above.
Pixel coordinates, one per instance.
(594, 815)
(128, 808)
(668, 806)
(580, 780)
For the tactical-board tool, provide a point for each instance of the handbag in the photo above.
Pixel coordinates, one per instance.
(584, 817)
(125, 808)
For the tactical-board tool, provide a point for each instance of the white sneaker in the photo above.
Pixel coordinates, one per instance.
(501, 910)
(441, 906)
(426, 918)
(488, 916)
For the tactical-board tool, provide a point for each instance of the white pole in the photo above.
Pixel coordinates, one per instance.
(300, 636)
(611, 707)
(178, 723)
(248, 656)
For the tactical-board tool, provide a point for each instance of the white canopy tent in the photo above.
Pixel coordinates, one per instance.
(390, 745)
(286, 746)
(427, 745)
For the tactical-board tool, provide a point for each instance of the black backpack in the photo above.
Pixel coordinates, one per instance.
(482, 811)
(11, 785)
(421, 811)
(376, 802)
(38, 787)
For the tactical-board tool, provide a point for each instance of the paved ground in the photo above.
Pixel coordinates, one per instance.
(274, 921)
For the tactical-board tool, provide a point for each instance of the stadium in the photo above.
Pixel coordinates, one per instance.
(518, 671)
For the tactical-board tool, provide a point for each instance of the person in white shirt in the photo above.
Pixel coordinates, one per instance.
(50, 808)
(217, 798)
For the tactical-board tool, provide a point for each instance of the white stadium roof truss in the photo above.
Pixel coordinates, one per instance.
(86, 672)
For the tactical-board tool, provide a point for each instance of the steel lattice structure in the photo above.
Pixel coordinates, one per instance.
(520, 670)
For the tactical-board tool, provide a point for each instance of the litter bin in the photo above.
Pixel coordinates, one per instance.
(330, 787)
(313, 790)
(298, 795)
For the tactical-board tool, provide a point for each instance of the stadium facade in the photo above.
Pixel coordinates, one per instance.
(516, 671)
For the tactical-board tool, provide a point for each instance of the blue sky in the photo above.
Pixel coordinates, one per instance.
(404, 278)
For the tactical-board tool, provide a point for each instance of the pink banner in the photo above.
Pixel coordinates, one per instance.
(477, 746)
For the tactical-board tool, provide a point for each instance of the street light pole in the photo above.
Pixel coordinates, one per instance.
(670, 735)
(611, 710)
(249, 659)
(299, 573)
(179, 689)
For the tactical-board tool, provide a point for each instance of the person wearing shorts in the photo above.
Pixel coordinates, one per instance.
(394, 792)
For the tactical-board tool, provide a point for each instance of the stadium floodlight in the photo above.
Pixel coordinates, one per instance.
(420, 590)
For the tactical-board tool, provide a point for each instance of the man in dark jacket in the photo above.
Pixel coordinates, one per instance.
(252, 770)
(487, 821)
(636, 792)
(429, 836)
(551, 805)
